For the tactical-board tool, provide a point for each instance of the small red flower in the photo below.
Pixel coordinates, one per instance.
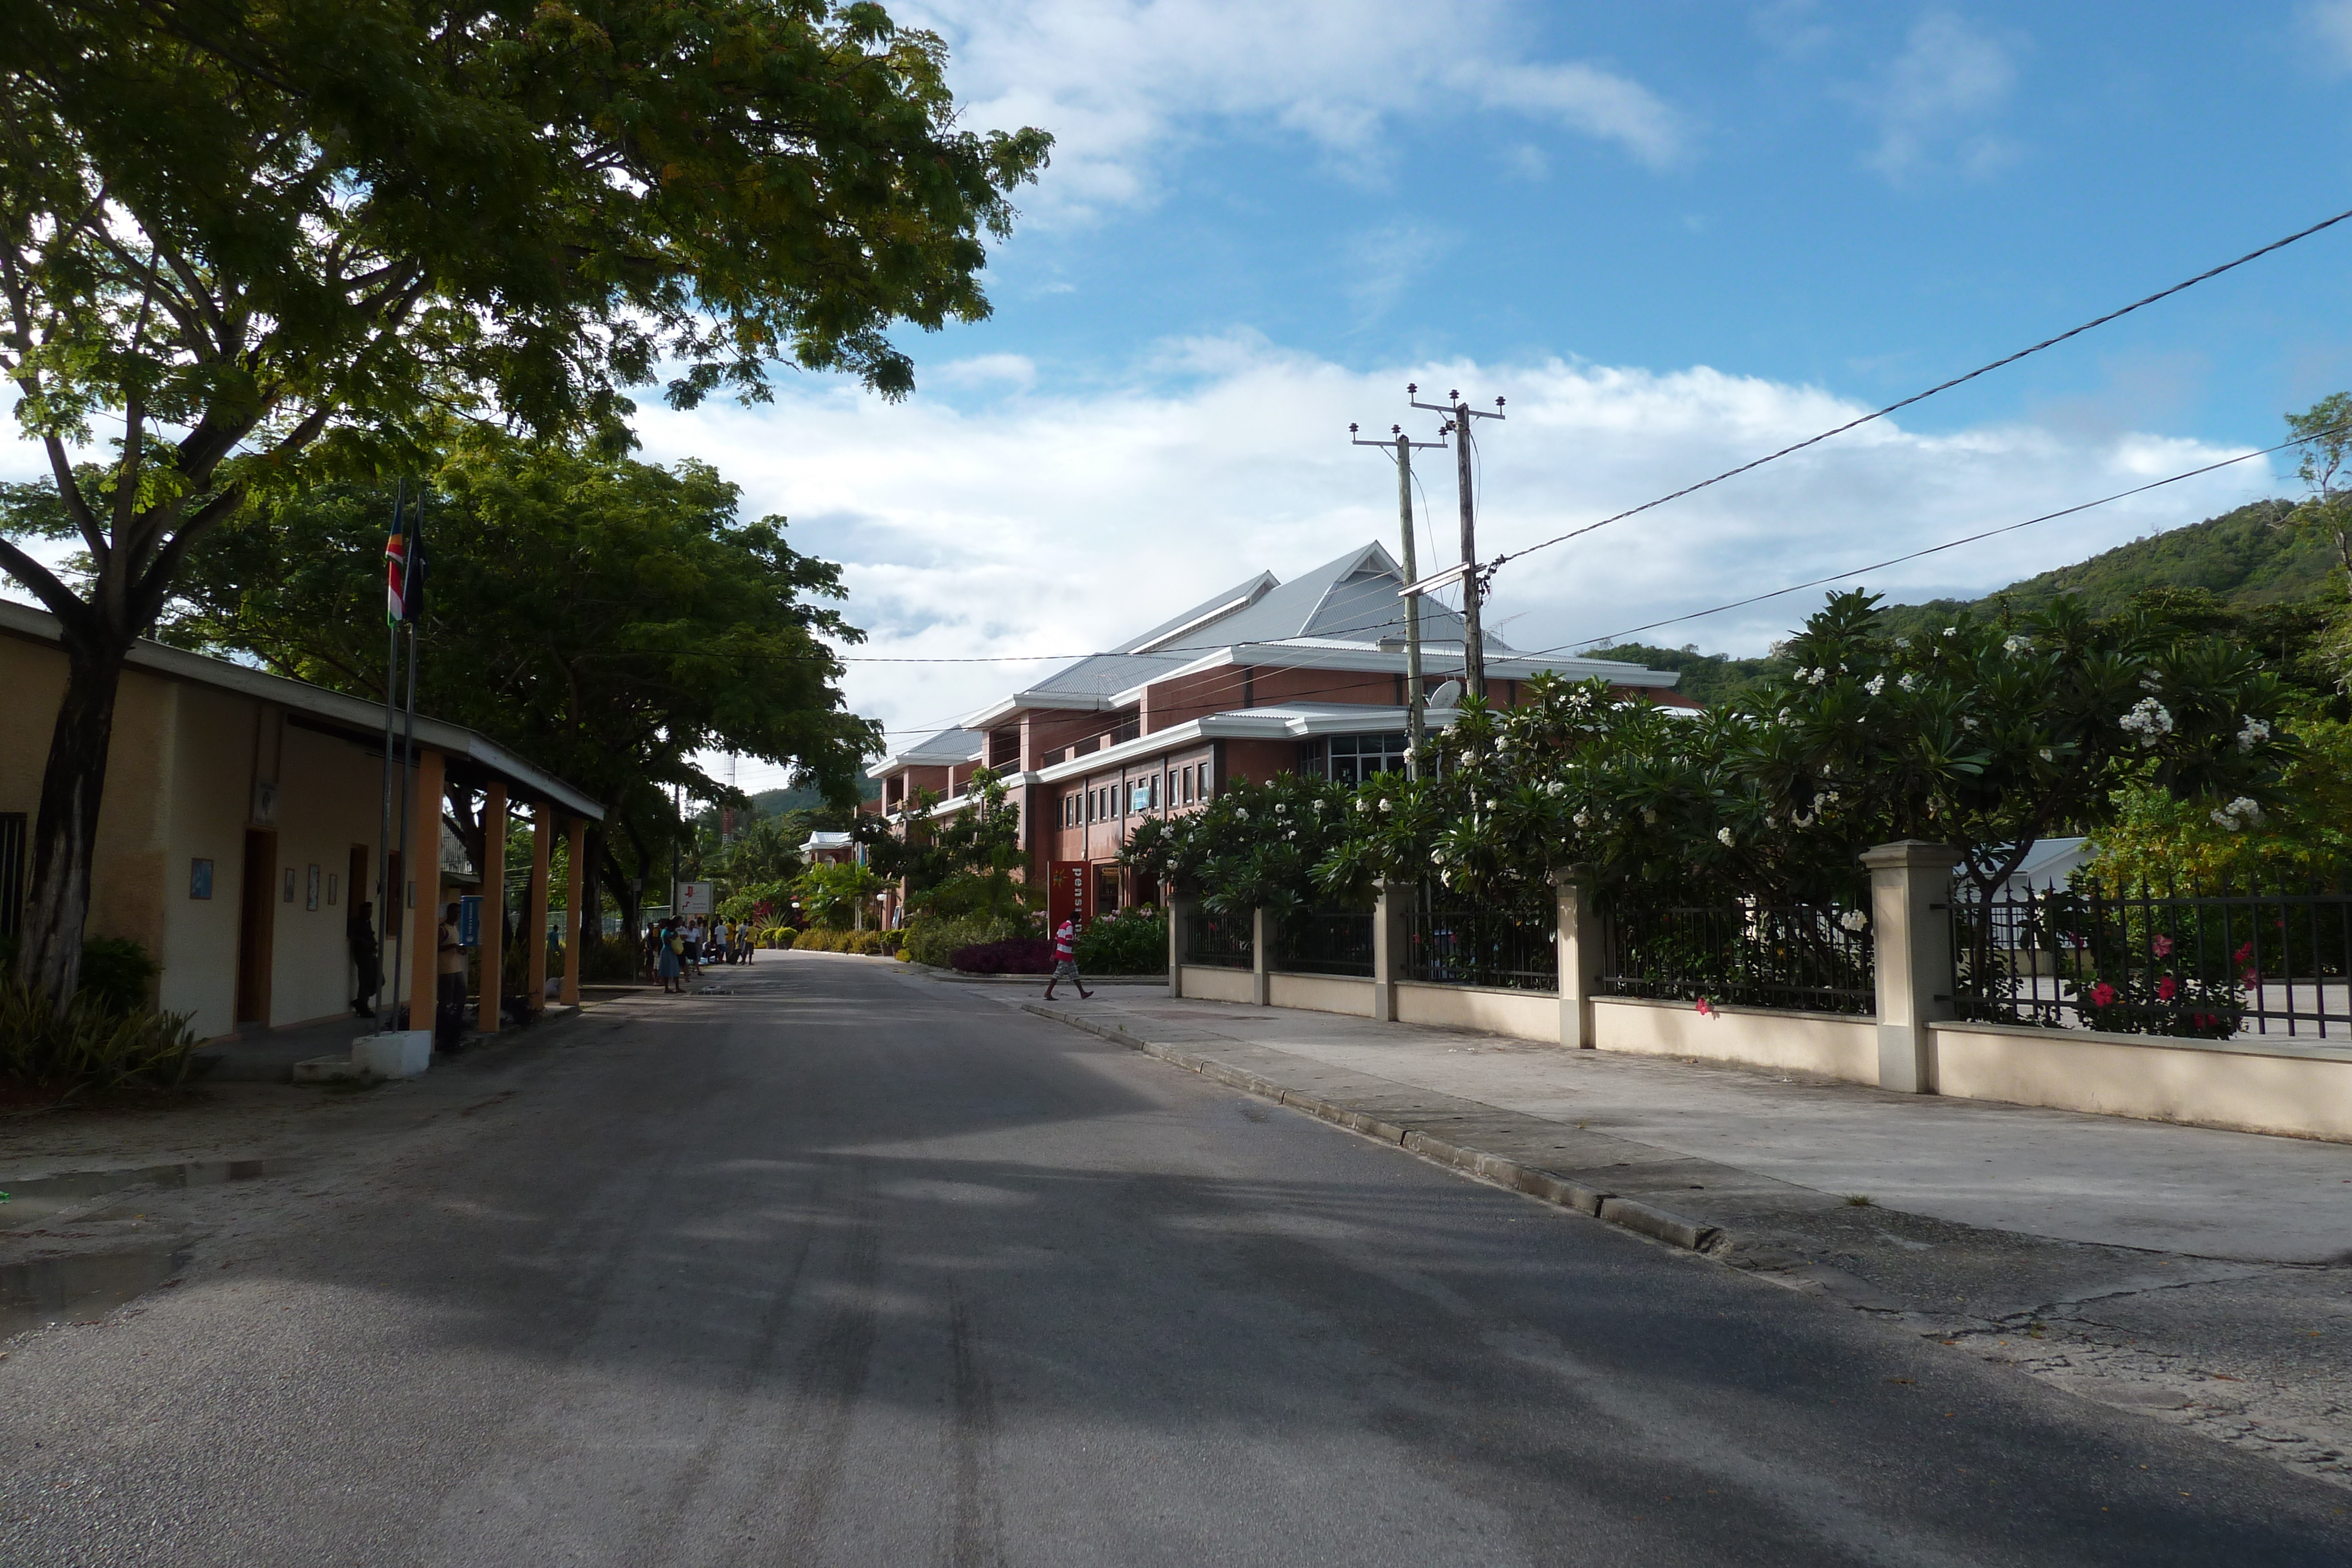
(2244, 955)
(1706, 1007)
(2163, 946)
(2166, 989)
(2103, 994)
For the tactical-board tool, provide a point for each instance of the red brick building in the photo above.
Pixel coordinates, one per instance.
(1265, 677)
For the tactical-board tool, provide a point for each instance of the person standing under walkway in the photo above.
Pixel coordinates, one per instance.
(449, 999)
(359, 935)
(1066, 959)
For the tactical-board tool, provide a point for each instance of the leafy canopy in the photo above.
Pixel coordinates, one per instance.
(234, 235)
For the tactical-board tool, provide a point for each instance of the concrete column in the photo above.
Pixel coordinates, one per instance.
(1260, 940)
(1584, 953)
(424, 871)
(1179, 939)
(494, 907)
(1911, 938)
(534, 928)
(576, 921)
(1391, 901)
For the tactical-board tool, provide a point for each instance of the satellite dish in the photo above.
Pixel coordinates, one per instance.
(1447, 696)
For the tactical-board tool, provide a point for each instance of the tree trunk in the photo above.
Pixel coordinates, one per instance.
(65, 837)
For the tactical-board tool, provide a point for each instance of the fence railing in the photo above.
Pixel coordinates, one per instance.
(1506, 948)
(1218, 941)
(1800, 957)
(2192, 966)
(1324, 942)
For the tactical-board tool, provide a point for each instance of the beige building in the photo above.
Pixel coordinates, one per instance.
(243, 816)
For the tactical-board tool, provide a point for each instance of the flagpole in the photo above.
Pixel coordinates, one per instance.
(412, 599)
(385, 900)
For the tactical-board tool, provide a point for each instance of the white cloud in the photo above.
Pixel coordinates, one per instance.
(1930, 100)
(1059, 523)
(1125, 84)
(2330, 22)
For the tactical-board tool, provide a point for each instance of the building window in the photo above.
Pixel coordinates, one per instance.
(1203, 769)
(1353, 758)
(1184, 780)
(12, 871)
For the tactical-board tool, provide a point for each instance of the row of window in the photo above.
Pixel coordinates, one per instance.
(1184, 786)
(1354, 758)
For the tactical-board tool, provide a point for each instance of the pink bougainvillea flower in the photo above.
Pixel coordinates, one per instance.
(2245, 955)
(2103, 994)
(2163, 946)
(2166, 988)
(1706, 1007)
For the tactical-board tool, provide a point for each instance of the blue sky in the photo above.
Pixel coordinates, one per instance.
(1675, 235)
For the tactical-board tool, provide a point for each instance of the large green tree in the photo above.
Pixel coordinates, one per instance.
(238, 241)
(606, 617)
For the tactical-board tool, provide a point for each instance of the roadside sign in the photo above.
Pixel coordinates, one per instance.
(693, 898)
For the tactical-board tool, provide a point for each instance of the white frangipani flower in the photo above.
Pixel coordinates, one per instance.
(2254, 733)
(2016, 642)
(1909, 683)
(2149, 719)
(1583, 819)
(1723, 836)
(1875, 684)
(1853, 920)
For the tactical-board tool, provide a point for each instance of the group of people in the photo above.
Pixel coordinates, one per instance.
(675, 950)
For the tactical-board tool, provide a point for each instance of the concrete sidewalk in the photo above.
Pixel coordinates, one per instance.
(2056, 1174)
(2198, 1276)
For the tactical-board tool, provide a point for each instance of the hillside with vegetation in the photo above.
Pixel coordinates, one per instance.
(2245, 575)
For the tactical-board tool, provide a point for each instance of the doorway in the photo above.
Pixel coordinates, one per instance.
(1106, 899)
(257, 923)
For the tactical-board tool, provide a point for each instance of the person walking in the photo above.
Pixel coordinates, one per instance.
(1066, 959)
(669, 964)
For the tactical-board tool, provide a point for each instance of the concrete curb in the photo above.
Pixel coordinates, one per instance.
(1496, 1170)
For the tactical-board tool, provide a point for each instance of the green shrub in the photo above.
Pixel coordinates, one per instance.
(89, 1048)
(608, 960)
(116, 974)
(1131, 942)
(782, 936)
(928, 939)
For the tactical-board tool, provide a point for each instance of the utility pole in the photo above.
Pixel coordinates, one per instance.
(1474, 587)
(1414, 699)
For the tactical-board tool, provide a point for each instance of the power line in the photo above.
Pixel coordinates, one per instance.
(1920, 397)
(1933, 550)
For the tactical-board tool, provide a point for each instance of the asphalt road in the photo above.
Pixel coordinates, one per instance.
(849, 1269)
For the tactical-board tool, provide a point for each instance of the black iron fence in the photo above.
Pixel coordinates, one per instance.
(1512, 950)
(1805, 958)
(1219, 941)
(1324, 942)
(2136, 962)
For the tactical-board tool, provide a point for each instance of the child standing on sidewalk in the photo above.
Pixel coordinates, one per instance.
(1066, 959)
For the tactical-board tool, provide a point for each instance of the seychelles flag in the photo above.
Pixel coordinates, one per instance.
(404, 567)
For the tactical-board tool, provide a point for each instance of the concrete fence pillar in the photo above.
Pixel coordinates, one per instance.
(1583, 953)
(1179, 939)
(1392, 899)
(578, 922)
(1261, 956)
(493, 951)
(1911, 940)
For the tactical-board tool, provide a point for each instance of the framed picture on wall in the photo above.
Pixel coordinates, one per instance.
(333, 889)
(310, 891)
(200, 879)
(289, 884)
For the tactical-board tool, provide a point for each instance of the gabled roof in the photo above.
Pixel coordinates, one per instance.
(947, 747)
(1347, 607)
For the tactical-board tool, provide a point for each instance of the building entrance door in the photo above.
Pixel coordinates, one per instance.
(257, 921)
(1106, 890)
